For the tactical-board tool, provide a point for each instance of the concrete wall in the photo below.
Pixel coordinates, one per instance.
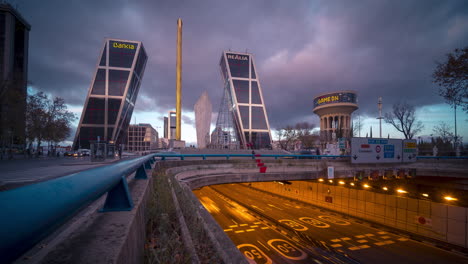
(443, 222)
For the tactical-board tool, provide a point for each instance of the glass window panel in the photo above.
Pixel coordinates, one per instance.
(117, 82)
(244, 114)
(256, 99)
(99, 86)
(113, 106)
(247, 136)
(94, 113)
(121, 54)
(135, 92)
(110, 130)
(103, 57)
(141, 62)
(254, 76)
(261, 140)
(131, 88)
(239, 65)
(258, 118)
(223, 68)
(242, 91)
(89, 133)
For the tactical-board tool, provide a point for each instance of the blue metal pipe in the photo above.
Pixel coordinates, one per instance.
(30, 213)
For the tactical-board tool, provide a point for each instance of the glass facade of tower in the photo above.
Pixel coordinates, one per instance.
(112, 95)
(250, 120)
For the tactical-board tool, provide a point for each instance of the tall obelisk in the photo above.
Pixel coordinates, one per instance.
(179, 80)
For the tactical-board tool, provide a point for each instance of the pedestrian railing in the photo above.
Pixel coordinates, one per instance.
(30, 213)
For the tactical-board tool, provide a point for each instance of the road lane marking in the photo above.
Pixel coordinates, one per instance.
(275, 207)
(258, 223)
(362, 241)
(263, 245)
(345, 238)
(335, 240)
(364, 246)
(250, 230)
(388, 242)
(336, 245)
(240, 231)
(287, 249)
(360, 236)
(381, 233)
(334, 220)
(253, 254)
(231, 226)
(403, 239)
(253, 226)
(243, 225)
(226, 230)
(354, 248)
(293, 224)
(314, 222)
(369, 235)
(265, 227)
(385, 237)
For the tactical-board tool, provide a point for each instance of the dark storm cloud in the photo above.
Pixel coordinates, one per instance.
(302, 48)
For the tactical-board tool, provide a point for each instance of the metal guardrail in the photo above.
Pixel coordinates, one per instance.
(253, 156)
(441, 157)
(31, 212)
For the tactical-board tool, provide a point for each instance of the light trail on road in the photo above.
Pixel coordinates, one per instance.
(270, 229)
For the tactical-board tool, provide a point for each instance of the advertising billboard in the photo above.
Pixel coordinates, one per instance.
(380, 150)
(335, 98)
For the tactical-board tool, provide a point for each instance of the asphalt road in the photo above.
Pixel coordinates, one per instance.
(270, 229)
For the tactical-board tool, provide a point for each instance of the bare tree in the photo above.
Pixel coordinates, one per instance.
(286, 137)
(403, 119)
(305, 134)
(443, 130)
(452, 77)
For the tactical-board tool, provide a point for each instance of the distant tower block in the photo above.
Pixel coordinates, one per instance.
(202, 111)
(113, 92)
(243, 119)
(334, 110)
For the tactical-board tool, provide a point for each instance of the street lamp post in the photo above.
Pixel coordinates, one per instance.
(379, 104)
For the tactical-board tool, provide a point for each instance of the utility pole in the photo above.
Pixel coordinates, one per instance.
(379, 104)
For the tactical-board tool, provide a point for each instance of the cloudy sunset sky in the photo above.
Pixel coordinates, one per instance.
(301, 48)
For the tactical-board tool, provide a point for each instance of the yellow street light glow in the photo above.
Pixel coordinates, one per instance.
(352, 184)
(366, 186)
(385, 188)
(448, 198)
(401, 191)
(425, 194)
(331, 181)
(341, 182)
(320, 180)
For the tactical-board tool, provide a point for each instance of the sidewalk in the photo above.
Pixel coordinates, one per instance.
(19, 172)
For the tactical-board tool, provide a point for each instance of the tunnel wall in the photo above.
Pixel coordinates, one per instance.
(443, 222)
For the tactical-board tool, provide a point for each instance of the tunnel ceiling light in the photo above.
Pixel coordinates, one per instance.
(341, 182)
(401, 191)
(449, 198)
(331, 181)
(366, 186)
(352, 184)
(425, 194)
(385, 188)
(320, 180)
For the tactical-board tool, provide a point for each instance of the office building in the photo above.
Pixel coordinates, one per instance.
(141, 138)
(14, 39)
(242, 117)
(202, 111)
(171, 125)
(166, 125)
(112, 94)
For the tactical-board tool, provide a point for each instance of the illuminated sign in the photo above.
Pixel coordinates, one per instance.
(335, 98)
(123, 46)
(237, 57)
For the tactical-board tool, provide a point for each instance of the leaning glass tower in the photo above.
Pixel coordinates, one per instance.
(242, 119)
(112, 94)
